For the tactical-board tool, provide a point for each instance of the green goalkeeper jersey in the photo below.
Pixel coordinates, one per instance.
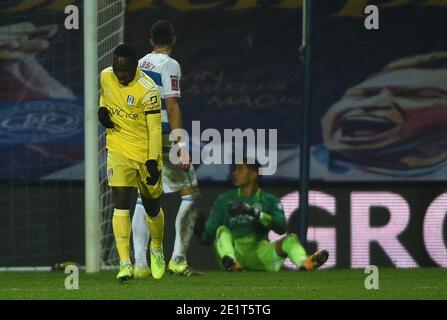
(243, 225)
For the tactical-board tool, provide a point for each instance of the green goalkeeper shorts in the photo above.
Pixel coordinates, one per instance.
(260, 255)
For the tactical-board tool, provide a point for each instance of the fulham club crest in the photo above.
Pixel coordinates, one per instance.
(130, 100)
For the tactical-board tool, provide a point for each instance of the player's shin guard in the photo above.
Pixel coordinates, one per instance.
(156, 228)
(295, 251)
(140, 236)
(121, 229)
(184, 224)
(224, 243)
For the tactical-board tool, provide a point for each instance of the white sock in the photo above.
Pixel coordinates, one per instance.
(184, 224)
(140, 235)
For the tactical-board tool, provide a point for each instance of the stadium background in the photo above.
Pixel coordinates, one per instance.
(241, 70)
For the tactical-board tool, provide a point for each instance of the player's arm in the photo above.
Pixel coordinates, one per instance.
(206, 231)
(174, 113)
(103, 113)
(171, 75)
(175, 122)
(273, 218)
(152, 111)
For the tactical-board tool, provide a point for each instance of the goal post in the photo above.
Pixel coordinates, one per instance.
(304, 168)
(92, 231)
(103, 31)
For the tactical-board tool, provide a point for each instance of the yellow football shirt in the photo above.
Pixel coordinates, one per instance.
(135, 112)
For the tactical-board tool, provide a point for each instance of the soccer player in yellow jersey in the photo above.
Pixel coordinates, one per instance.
(129, 108)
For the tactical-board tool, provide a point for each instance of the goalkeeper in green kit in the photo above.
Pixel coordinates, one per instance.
(239, 224)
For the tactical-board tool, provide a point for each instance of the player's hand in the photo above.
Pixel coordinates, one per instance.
(154, 173)
(104, 118)
(240, 207)
(185, 161)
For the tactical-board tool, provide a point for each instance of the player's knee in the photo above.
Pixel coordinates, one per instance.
(151, 206)
(122, 204)
(121, 197)
(194, 200)
(196, 197)
(292, 236)
(221, 230)
(287, 240)
(190, 191)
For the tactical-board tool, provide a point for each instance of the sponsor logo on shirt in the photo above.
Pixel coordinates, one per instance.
(154, 102)
(241, 219)
(174, 83)
(123, 114)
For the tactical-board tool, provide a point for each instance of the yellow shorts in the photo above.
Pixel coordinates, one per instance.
(124, 172)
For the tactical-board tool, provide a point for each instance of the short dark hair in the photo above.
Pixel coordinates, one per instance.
(162, 32)
(126, 51)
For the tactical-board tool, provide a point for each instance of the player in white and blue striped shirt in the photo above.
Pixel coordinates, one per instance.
(180, 178)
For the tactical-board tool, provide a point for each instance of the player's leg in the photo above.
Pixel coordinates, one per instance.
(140, 237)
(225, 249)
(266, 257)
(184, 224)
(155, 223)
(291, 247)
(150, 198)
(122, 180)
(121, 229)
(315, 260)
(184, 182)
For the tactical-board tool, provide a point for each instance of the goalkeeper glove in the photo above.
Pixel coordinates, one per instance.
(239, 207)
(154, 173)
(104, 118)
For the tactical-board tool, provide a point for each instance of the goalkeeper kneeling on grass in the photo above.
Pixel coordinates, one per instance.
(239, 224)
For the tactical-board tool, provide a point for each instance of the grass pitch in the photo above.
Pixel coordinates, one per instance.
(323, 284)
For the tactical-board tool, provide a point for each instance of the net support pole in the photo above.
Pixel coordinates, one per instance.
(92, 234)
(305, 136)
